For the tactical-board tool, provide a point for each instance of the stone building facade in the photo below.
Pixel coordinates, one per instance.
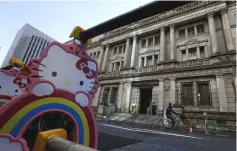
(183, 56)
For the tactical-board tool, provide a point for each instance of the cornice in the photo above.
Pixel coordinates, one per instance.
(159, 17)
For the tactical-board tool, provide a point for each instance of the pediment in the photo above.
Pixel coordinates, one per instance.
(192, 41)
(149, 51)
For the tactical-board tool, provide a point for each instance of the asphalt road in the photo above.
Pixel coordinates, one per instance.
(126, 138)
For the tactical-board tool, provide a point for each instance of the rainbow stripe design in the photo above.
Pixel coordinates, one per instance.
(3, 101)
(19, 120)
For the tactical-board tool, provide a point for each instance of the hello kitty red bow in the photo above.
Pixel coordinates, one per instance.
(82, 64)
(19, 82)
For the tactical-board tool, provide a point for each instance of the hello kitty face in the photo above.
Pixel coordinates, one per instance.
(67, 71)
(10, 85)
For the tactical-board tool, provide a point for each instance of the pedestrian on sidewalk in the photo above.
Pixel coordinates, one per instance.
(153, 108)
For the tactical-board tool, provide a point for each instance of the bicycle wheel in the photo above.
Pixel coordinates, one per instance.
(180, 124)
(164, 124)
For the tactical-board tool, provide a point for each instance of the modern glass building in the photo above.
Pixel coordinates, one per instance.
(27, 44)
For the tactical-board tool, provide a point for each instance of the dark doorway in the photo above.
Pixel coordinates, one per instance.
(187, 93)
(204, 93)
(145, 99)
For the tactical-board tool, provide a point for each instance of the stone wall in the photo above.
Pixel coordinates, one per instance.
(214, 94)
(135, 97)
(123, 102)
(155, 94)
(220, 35)
(232, 20)
(166, 93)
(230, 93)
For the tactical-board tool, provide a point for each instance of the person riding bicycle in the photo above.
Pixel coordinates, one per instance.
(169, 111)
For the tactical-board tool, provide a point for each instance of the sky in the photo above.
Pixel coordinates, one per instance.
(57, 18)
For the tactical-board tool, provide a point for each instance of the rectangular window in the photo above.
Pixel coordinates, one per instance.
(156, 59)
(112, 67)
(184, 56)
(204, 96)
(192, 53)
(115, 50)
(157, 40)
(114, 95)
(98, 54)
(143, 62)
(105, 96)
(182, 33)
(124, 47)
(94, 55)
(200, 28)
(187, 93)
(202, 52)
(150, 41)
(121, 65)
(117, 65)
(143, 43)
(120, 49)
(149, 60)
(191, 31)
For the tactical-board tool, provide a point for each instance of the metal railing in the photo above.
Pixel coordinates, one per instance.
(60, 144)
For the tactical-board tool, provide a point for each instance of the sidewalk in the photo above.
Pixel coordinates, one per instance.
(180, 131)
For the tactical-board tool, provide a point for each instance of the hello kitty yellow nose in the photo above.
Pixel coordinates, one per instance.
(7, 91)
(68, 83)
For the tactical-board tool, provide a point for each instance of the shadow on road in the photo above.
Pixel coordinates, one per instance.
(108, 142)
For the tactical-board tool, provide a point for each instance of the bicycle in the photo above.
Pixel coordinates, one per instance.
(166, 123)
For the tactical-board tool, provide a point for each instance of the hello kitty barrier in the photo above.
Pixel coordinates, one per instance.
(13, 82)
(63, 82)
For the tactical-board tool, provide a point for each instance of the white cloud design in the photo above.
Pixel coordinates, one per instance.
(11, 144)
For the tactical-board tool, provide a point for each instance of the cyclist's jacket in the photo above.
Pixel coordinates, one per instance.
(169, 110)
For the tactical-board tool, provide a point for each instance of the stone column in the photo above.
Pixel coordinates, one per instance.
(212, 30)
(101, 57)
(140, 62)
(114, 67)
(161, 96)
(120, 65)
(126, 55)
(153, 60)
(96, 98)
(105, 58)
(133, 56)
(145, 61)
(221, 93)
(227, 30)
(128, 95)
(120, 96)
(187, 54)
(162, 44)
(109, 97)
(111, 67)
(198, 52)
(206, 52)
(172, 90)
(172, 42)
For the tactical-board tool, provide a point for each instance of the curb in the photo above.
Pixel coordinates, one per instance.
(153, 127)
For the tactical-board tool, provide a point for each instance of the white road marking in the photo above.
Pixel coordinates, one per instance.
(152, 131)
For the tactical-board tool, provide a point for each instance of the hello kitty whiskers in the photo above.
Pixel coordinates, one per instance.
(36, 76)
(37, 69)
(34, 61)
